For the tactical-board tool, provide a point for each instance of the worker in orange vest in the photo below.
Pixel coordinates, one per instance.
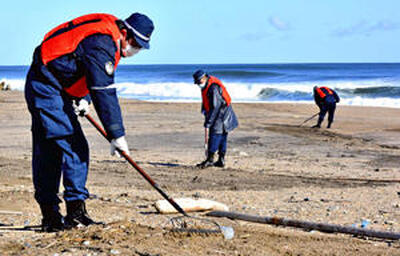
(73, 66)
(220, 119)
(326, 100)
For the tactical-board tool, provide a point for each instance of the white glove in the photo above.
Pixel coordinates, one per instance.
(81, 107)
(121, 144)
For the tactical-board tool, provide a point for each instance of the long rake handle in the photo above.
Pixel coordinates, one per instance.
(137, 168)
(308, 119)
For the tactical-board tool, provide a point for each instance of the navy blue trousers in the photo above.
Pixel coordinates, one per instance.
(217, 142)
(59, 145)
(327, 107)
(51, 158)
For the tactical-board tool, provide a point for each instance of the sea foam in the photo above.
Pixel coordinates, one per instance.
(359, 93)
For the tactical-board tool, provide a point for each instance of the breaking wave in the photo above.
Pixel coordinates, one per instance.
(367, 84)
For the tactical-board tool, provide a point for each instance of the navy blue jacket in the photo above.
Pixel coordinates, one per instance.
(89, 59)
(221, 118)
(329, 98)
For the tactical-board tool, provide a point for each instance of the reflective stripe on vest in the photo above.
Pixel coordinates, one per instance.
(65, 38)
(322, 93)
(225, 95)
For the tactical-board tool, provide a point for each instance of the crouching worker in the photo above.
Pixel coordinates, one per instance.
(220, 118)
(76, 60)
(326, 100)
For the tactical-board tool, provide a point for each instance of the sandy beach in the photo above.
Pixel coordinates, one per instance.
(342, 175)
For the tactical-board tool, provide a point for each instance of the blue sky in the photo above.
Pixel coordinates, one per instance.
(225, 31)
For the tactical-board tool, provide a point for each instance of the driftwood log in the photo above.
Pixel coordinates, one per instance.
(323, 227)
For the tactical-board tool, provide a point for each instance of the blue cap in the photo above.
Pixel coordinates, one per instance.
(198, 75)
(141, 26)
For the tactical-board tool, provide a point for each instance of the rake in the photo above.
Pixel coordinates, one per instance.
(181, 223)
(308, 119)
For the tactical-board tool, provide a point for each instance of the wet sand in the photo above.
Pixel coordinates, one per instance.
(274, 167)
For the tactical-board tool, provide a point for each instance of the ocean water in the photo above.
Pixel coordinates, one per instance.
(367, 84)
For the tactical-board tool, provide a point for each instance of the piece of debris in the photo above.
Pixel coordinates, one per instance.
(190, 205)
(114, 252)
(196, 195)
(242, 153)
(4, 86)
(323, 227)
(10, 212)
(364, 223)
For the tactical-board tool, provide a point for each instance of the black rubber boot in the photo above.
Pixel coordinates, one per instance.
(221, 160)
(208, 162)
(77, 214)
(52, 219)
(318, 125)
(329, 125)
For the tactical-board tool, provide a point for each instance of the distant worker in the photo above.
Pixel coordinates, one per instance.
(75, 60)
(326, 100)
(220, 119)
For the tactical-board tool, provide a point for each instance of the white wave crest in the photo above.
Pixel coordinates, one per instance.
(240, 92)
(375, 102)
(187, 91)
(158, 90)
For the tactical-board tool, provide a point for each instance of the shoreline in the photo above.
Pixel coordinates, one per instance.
(260, 102)
(347, 117)
(311, 102)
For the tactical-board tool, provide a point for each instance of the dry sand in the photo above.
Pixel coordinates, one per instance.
(341, 176)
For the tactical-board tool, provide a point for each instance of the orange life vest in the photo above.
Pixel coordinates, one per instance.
(225, 95)
(65, 38)
(321, 93)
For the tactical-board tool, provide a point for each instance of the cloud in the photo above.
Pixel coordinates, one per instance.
(358, 28)
(253, 36)
(366, 28)
(258, 36)
(278, 23)
(384, 26)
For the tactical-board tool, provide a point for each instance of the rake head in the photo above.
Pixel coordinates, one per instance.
(196, 225)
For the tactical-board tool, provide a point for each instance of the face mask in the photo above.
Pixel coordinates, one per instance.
(201, 86)
(129, 51)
